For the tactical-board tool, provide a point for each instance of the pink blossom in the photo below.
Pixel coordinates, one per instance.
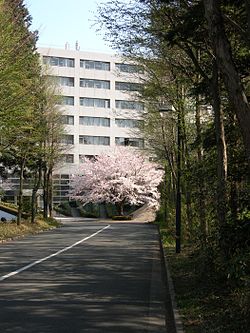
(123, 177)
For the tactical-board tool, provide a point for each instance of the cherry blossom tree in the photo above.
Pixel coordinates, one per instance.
(122, 177)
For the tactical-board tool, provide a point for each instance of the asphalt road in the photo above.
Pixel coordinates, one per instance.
(83, 277)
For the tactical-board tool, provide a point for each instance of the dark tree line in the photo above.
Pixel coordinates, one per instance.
(196, 58)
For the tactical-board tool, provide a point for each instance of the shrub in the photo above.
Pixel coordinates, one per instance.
(63, 208)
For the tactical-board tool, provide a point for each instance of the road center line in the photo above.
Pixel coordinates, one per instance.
(4, 277)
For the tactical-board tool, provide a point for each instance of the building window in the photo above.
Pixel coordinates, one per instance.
(129, 68)
(66, 100)
(94, 64)
(94, 121)
(128, 86)
(134, 142)
(130, 105)
(68, 120)
(66, 81)
(94, 140)
(128, 123)
(90, 83)
(68, 158)
(68, 139)
(59, 61)
(95, 102)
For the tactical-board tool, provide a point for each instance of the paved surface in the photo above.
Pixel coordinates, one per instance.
(111, 282)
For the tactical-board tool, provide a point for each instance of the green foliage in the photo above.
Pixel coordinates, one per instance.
(226, 255)
(19, 70)
(19, 73)
(88, 214)
(30, 121)
(89, 210)
(64, 208)
(27, 204)
(235, 245)
(166, 227)
(206, 302)
(172, 41)
(111, 210)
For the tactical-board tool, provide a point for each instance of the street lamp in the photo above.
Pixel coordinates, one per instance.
(163, 109)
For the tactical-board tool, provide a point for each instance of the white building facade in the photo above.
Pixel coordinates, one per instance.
(99, 106)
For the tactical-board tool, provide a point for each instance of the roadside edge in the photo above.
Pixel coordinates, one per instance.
(173, 318)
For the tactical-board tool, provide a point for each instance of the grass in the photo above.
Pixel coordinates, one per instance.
(10, 230)
(206, 304)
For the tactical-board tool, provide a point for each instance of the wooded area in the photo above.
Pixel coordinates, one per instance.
(195, 56)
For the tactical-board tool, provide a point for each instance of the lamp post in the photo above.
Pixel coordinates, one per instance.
(163, 109)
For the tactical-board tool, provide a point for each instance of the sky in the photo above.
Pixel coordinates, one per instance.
(61, 21)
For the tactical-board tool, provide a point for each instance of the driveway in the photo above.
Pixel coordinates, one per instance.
(84, 277)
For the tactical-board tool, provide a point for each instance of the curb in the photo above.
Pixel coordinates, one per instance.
(176, 315)
(173, 318)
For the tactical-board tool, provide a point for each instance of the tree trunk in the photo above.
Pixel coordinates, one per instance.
(35, 189)
(234, 199)
(221, 148)
(165, 196)
(168, 156)
(20, 194)
(186, 163)
(50, 192)
(178, 184)
(247, 5)
(45, 194)
(224, 59)
(201, 184)
(189, 222)
(120, 207)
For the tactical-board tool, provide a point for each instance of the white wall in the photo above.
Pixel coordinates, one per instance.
(77, 72)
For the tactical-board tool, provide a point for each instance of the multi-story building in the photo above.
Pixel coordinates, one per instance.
(100, 108)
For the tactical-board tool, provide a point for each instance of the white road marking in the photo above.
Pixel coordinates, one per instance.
(4, 277)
